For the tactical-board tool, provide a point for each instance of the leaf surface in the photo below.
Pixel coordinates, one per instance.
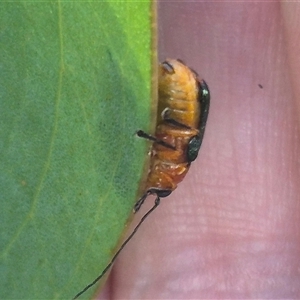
(74, 88)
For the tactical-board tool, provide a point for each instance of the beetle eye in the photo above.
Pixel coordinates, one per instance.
(193, 148)
(163, 193)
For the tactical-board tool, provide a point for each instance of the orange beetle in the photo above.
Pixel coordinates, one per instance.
(183, 105)
(182, 114)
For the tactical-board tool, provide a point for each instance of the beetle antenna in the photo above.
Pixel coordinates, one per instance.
(156, 203)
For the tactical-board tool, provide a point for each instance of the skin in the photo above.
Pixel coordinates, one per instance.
(231, 230)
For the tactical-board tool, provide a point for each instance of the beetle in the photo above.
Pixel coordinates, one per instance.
(183, 106)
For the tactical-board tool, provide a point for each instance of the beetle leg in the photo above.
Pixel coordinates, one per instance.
(176, 123)
(142, 134)
(158, 192)
(140, 202)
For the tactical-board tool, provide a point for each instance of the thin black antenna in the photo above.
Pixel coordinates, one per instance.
(156, 203)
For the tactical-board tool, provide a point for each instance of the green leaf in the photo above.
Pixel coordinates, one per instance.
(74, 88)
